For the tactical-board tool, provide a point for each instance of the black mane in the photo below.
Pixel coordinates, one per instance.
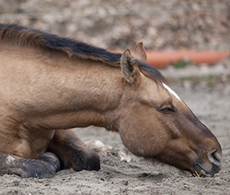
(20, 35)
(57, 42)
(150, 71)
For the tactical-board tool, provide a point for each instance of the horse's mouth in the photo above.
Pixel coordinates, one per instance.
(202, 171)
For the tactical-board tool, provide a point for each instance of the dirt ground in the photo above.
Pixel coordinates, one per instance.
(160, 24)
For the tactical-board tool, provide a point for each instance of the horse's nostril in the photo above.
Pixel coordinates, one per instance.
(214, 158)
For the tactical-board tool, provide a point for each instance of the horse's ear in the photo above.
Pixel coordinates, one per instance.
(129, 67)
(139, 52)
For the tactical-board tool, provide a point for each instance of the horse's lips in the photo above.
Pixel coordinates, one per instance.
(204, 172)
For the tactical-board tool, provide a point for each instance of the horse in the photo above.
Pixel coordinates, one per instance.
(52, 84)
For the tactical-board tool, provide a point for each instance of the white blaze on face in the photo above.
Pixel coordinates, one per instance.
(171, 91)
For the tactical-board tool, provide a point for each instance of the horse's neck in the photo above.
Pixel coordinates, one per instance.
(88, 94)
(64, 92)
(95, 92)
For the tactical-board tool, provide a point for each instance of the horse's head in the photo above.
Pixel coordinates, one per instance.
(156, 123)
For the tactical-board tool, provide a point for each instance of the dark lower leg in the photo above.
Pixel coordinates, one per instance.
(44, 167)
(72, 151)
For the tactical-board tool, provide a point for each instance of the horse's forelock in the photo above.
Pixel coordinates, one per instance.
(150, 72)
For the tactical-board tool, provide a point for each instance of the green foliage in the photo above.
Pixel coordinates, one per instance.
(182, 64)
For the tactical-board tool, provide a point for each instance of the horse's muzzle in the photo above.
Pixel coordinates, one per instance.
(215, 159)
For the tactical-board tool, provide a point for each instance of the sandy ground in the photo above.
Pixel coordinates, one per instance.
(133, 175)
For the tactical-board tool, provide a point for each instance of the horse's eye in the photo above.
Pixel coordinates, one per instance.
(167, 110)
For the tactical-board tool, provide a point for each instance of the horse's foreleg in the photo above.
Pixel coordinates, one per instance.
(44, 167)
(72, 151)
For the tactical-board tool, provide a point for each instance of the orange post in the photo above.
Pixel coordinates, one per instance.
(160, 59)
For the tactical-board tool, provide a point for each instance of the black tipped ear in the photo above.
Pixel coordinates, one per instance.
(129, 67)
(139, 52)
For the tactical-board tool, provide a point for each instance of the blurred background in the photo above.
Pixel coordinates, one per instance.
(116, 25)
(160, 24)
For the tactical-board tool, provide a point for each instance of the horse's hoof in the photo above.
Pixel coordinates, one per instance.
(51, 159)
(45, 167)
(87, 162)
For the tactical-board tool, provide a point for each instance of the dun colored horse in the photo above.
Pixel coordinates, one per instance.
(51, 84)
